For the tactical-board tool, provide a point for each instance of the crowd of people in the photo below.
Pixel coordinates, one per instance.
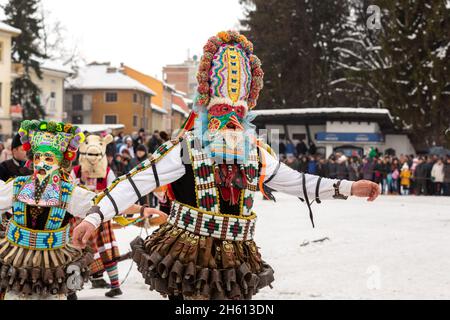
(397, 175)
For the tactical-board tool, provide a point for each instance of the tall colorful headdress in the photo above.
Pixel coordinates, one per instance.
(229, 72)
(60, 138)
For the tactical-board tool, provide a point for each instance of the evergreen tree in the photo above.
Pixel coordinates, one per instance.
(406, 65)
(23, 14)
(296, 40)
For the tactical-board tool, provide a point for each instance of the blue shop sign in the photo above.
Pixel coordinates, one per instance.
(349, 137)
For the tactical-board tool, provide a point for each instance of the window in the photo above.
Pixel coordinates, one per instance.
(299, 136)
(135, 121)
(53, 95)
(1, 51)
(135, 98)
(77, 102)
(111, 97)
(110, 119)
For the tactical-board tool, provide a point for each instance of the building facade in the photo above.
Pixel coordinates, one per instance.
(52, 89)
(183, 76)
(161, 117)
(169, 106)
(6, 76)
(101, 94)
(352, 131)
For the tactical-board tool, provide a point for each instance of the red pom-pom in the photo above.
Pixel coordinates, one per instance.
(69, 155)
(26, 146)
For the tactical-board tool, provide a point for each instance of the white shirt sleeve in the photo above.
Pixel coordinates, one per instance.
(290, 181)
(80, 202)
(6, 195)
(110, 178)
(170, 168)
(74, 178)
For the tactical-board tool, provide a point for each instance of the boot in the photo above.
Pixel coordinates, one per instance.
(72, 296)
(114, 293)
(100, 283)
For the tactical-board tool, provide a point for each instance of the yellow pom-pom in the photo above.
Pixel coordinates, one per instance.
(82, 137)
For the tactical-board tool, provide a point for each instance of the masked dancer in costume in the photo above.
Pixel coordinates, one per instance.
(206, 250)
(95, 174)
(36, 259)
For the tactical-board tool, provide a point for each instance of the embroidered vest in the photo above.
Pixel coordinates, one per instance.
(207, 193)
(56, 214)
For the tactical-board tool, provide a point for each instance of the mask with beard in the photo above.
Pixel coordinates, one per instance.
(225, 132)
(229, 81)
(46, 167)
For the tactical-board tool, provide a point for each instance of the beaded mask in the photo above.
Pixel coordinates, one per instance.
(53, 144)
(230, 79)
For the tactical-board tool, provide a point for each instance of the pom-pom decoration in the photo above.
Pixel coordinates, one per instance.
(43, 126)
(211, 49)
(26, 146)
(69, 155)
(64, 138)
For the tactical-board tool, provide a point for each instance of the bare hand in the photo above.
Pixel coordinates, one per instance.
(365, 188)
(82, 233)
(158, 220)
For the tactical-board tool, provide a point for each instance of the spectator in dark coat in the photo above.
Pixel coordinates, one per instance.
(322, 168)
(332, 168)
(154, 142)
(429, 182)
(420, 177)
(15, 167)
(301, 148)
(446, 184)
(304, 164)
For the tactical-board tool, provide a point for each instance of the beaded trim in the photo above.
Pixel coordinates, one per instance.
(56, 215)
(210, 224)
(37, 240)
(205, 187)
(206, 190)
(156, 157)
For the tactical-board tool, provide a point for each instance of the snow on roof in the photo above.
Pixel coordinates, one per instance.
(7, 28)
(180, 93)
(105, 77)
(158, 109)
(271, 112)
(188, 101)
(180, 110)
(55, 66)
(97, 128)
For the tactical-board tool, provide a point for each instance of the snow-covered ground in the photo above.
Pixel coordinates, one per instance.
(394, 248)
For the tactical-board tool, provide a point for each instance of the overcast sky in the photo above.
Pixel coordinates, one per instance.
(144, 34)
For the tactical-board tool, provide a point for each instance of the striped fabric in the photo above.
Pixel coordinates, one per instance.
(113, 274)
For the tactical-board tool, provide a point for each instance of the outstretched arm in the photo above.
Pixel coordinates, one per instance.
(280, 177)
(142, 180)
(127, 190)
(6, 195)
